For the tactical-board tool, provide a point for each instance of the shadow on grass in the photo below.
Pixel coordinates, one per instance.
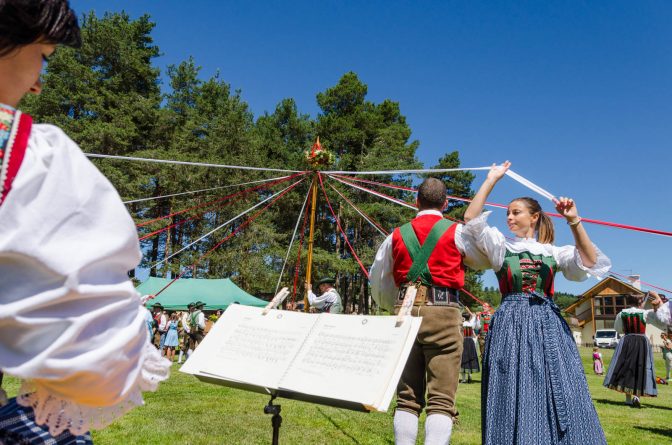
(340, 428)
(659, 431)
(643, 401)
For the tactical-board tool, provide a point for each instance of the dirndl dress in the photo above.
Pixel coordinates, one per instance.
(631, 367)
(18, 427)
(171, 337)
(534, 389)
(470, 356)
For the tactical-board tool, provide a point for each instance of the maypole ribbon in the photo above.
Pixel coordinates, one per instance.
(232, 195)
(370, 220)
(289, 249)
(226, 223)
(502, 206)
(231, 235)
(297, 265)
(195, 164)
(156, 198)
(338, 223)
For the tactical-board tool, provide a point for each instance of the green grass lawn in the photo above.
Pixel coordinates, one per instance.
(186, 411)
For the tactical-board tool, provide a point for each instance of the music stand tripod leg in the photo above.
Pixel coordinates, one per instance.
(276, 420)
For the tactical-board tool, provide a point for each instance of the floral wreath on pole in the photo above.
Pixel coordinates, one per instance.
(319, 157)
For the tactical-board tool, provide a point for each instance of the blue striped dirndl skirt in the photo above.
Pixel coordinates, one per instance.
(534, 388)
(17, 426)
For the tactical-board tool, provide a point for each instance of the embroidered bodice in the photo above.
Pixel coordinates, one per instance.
(526, 272)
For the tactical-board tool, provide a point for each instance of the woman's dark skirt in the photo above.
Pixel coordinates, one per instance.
(631, 367)
(470, 356)
(534, 388)
(18, 427)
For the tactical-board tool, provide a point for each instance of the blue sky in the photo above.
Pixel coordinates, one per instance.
(577, 95)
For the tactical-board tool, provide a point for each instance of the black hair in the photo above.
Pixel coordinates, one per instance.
(432, 194)
(23, 22)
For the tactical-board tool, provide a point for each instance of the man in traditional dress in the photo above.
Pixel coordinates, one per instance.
(427, 252)
(329, 299)
(161, 321)
(186, 329)
(484, 318)
(197, 324)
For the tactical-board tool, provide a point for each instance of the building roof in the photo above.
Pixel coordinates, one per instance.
(613, 285)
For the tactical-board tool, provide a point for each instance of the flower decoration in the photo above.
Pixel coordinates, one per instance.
(319, 157)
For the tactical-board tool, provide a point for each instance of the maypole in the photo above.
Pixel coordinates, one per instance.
(311, 237)
(317, 157)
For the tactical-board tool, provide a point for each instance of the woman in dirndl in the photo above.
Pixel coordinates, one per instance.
(631, 368)
(534, 390)
(469, 354)
(72, 327)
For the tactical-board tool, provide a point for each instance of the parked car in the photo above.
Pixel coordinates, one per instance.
(605, 338)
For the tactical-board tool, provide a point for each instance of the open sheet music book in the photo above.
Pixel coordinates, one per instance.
(351, 361)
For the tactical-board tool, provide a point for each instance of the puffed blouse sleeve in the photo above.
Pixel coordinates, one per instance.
(570, 263)
(488, 241)
(71, 323)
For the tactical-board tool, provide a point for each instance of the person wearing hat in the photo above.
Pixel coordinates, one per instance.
(161, 323)
(329, 300)
(428, 252)
(186, 330)
(197, 325)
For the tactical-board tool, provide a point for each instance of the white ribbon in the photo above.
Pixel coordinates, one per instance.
(206, 190)
(199, 164)
(224, 225)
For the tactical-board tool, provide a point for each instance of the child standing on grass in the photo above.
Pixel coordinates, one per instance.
(597, 361)
(171, 341)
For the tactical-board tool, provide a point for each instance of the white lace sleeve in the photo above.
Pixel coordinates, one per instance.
(482, 240)
(664, 315)
(570, 264)
(71, 324)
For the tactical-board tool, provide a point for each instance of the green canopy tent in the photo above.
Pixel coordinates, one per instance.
(216, 294)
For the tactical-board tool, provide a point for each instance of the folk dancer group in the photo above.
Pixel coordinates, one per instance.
(174, 331)
(533, 386)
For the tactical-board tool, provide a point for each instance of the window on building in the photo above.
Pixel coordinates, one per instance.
(609, 305)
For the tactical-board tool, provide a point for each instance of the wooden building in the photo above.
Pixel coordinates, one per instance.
(598, 306)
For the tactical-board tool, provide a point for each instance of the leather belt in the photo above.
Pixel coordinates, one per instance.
(431, 295)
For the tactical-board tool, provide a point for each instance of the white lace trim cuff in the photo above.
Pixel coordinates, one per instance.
(59, 414)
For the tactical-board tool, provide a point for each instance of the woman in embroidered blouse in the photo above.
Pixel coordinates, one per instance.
(631, 368)
(534, 389)
(71, 324)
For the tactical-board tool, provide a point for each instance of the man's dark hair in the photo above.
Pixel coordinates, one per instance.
(432, 194)
(23, 22)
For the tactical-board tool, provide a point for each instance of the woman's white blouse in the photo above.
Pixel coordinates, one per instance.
(494, 246)
(71, 324)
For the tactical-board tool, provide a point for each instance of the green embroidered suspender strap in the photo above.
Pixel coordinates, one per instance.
(420, 254)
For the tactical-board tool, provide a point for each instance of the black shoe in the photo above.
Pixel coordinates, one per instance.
(636, 403)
